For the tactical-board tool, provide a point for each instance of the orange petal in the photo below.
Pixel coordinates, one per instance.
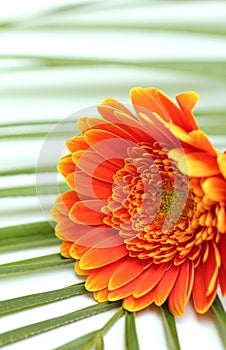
(174, 112)
(133, 304)
(82, 124)
(158, 130)
(87, 186)
(182, 288)
(149, 279)
(148, 100)
(99, 278)
(222, 249)
(107, 144)
(65, 249)
(80, 271)
(106, 170)
(126, 122)
(222, 282)
(179, 155)
(183, 135)
(200, 141)
(215, 189)
(196, 139)
(97, 236)
(108, 113)
(164, 113)
(76, 252)
(124, 291)
(101, 295)
(199, 164)
(97, 257)
(66, 165)
(206, 281)
(222, 271)
(94, 165)
(65, 202)
(56, 214)
(70, 180)
(77, 143)
(116, 105)
(164, 287)
(119, 129)
(187, 102)
(184, 118)
(69, 231)
(221, 160)
(129, 270)
(134, 127)
(87, 212)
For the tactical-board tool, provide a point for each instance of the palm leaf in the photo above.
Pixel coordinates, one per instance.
(29, 251)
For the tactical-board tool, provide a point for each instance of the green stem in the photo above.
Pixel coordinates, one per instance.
(33, 190)
(112, 320)
(31, 242)
(220, 315)
(53, 323)
(51, 123)
(36, 124)
(208, 68)
(35, 264)
(31, 170)
(84, 342)
(205, 30)
(94, 338)
(99, 342)
(27, 235)
(27, 230)
(170, 328)
(29, 301)
(218, 310)
(32, 123)
(36, 134)
(56, 10)
(131, 332)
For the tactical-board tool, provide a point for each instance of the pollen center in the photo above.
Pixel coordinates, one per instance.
(157, 209)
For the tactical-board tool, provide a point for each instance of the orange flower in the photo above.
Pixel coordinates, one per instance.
(146, 217)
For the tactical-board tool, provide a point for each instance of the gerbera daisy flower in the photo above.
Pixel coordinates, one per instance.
(145, 217)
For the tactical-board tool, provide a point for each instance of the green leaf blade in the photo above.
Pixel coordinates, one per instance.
(27, 236)
(35, 264)
(86, 340)
(220, 315)
(170, 328)
(99, 342)
(218, 309)
(28, 170)
(131, 333)
(93, 338)
(214, 68)
(33, 300)
(53, 323)
(24, 191)
(27, 230)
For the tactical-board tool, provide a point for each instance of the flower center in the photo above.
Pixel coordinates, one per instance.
(157, 209)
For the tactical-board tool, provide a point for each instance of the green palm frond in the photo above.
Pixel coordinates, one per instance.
(33, 233)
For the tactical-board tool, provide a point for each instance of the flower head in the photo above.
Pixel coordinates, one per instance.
(146, 215)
